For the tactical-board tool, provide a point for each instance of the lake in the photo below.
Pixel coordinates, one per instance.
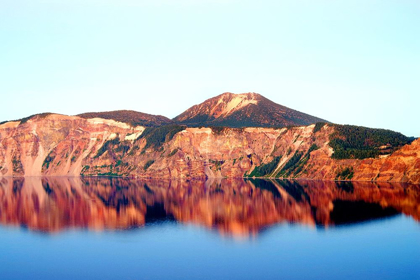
(117, 228)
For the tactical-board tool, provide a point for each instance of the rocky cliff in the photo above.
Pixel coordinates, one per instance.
(58, 145)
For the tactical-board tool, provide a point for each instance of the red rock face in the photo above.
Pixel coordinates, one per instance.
(57, 145)
(54, 145)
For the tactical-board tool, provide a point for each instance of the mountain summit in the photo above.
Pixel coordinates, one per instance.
(243, 110)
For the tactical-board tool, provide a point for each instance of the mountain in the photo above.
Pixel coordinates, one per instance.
(131, 117)
(243, 110)
(59, 145)
(129, 143)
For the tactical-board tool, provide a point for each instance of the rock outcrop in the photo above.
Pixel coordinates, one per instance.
(58, 145)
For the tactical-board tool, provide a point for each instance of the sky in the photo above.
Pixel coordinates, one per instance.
(349, 62)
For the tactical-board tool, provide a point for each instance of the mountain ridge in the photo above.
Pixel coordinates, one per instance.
(134, 118)
(130, 143)
(227, 110)
(59, 145)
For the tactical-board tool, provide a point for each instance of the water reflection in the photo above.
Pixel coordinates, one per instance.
(234, 207)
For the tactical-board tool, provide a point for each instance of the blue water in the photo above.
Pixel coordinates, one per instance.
(381, 248)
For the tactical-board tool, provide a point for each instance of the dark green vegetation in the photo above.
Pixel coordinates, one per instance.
(119, 168)
(292, 164)
(117, 149)
(297, 163)
(156, 136)
(218, 130)
(107, 146)
(133, 150)
(265, 113)
(313, 147)
(346, 173)
(131, 117)
(265, 169)
(173, 152)
(148, 164)
(318, 126)
(24, 120)
(17, 165)
(40, 116)
(76, 154)
(217, 163)
(85, 168)
(50, 158)
(293, 167)
(122, 148)
(360, 142)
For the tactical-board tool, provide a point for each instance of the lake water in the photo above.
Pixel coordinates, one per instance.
(110, 228)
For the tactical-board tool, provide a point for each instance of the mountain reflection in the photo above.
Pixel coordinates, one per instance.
(234, 207)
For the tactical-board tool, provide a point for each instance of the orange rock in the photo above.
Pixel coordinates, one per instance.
(57, 145)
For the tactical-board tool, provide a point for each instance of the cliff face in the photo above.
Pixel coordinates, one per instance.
(63, 145)
(55, 144)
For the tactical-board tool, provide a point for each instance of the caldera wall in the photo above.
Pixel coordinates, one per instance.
(57, 145)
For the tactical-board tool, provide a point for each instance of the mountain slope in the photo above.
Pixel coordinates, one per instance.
(243, 110)
(58, 145)
(131, 117)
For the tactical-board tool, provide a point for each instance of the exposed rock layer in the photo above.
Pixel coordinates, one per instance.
(62, 145)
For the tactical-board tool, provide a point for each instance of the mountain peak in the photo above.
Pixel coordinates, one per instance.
(244, 109)
(244, 96)
(228, 103)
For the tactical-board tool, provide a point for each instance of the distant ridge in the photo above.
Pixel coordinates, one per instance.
(131, 117)
(225, 110)
(155, 147)
(243, 110)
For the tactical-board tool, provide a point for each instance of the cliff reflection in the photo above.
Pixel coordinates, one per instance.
(234, 207)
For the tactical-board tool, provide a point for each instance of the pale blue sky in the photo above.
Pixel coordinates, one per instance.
(351, 62)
